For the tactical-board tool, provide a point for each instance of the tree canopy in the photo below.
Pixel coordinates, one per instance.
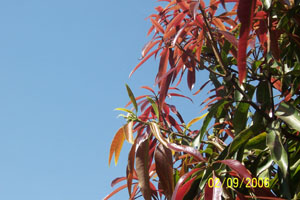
(246, 145)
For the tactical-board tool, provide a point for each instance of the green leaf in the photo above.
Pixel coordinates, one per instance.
(215, 109)
(125, 110)
(132, 98)
(279, 156)
(240, 140)
(263, 94)
(257, 142)
(276, 147)
(154, 106)
(289, 114)
(241, 114)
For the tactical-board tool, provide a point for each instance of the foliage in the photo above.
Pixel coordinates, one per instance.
(250, 131)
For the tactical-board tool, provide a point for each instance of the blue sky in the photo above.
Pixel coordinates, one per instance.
(63, 69)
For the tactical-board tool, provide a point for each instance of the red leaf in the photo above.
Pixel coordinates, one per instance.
(148, 88)
(149, 46)
(164, 169)
(143, 60)
(179, 95)
(202, 87)
(238, 168)
(175, 21)
(191, 78)
(245, 14)
(182, 4)
(230, 37)
(130, 167)
(219, 24)
(187, 149)
(115, 191)
(214, 192)
(182, 191)
(117, 180)
(182, 180)
(137, 98)
(164, 84)
(163, 64)
(194, 6)
(157, 26)
(141, 163)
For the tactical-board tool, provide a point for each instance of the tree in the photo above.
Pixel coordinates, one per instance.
(248, 144)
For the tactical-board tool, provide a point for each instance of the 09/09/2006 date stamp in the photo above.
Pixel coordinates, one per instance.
(236, 183)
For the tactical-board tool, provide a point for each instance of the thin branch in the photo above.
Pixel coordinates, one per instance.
(213, 42)
(197, 61)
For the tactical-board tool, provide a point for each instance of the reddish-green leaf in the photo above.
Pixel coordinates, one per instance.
(164, 169)
(116, 145)
(141, 163)
(245, 14)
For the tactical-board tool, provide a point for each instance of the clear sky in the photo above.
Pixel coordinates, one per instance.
(63, 69)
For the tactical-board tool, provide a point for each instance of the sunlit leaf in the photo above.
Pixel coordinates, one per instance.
(289, 114)
(129, 132)
(156, 132)
(116, 145)
(195, 120)
(125, 110)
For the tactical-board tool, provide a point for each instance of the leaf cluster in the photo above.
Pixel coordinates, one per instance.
(250, 129)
